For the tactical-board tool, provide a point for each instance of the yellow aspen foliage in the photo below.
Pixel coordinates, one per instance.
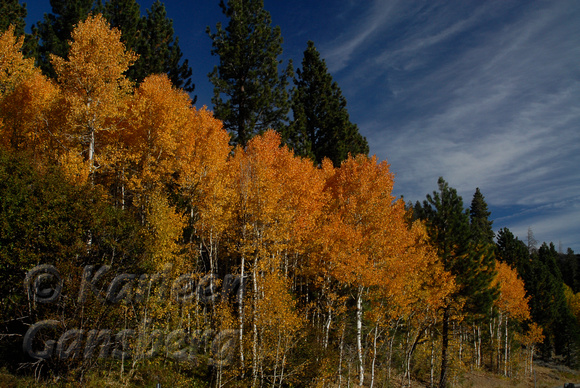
(75, 167)
(203, 150)
(534, 335)
(165, 227)
(426, 283)
(277, 319)
(573, 300)
(512, 299)
(14, 68)
(94, 87)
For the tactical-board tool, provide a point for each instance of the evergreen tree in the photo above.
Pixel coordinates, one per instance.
(482, 250)
(548, 303)
(12, 13)
(158, 48)
(55, 30)
(481, 230)
(126, 16)
(513, 252)
(255, 93)
(449, 230)
(321, 126)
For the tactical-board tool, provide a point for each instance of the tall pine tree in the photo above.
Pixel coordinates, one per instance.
(321, 125)
(249, 93)
(482, 251)
(481, 229)
(449, 230)
(159, 50)
(126, 16)
(12, 13)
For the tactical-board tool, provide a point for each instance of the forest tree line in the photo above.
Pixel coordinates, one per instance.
(104, 163)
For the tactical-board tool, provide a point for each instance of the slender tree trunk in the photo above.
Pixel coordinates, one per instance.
(340, 356)
(432, 363)
(505, 369)
(255, 327)
(391, 348)
(276, 360)
(374, 355)
(479, 346)
(444, 348)
(491, 339)
(327, 327)
(460, 344)
(359, 335)
(241, 315)
(498, 339)
(409, 355)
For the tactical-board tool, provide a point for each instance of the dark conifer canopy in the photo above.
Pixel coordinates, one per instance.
(321, 126)
(249, 93)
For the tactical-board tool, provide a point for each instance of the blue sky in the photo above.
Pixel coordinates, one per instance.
(485, 94)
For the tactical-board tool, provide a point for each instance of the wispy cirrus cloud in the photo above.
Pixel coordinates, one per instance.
(361, 32)
(485, 95)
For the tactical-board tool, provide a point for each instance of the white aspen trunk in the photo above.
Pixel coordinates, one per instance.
(478, 346)
(475, 346)
(460, 343)
(340, 356)
(241, 315)
(276, 360)
(123, 188)
(499, 342)
(505, 371)
(374, 355)
(255, 327)
(491, 336)
(283, 364)
(327, 327)
(361, 366)
(432, 366)
(91, 150)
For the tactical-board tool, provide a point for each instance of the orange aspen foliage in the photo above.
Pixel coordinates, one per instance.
(205, 180)
(366, 233)
(275, 204)
(277, 199)
(512, 299)
(94, 87)
(367, 242)
(156, 114)
(26, 98)
(26, 115)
